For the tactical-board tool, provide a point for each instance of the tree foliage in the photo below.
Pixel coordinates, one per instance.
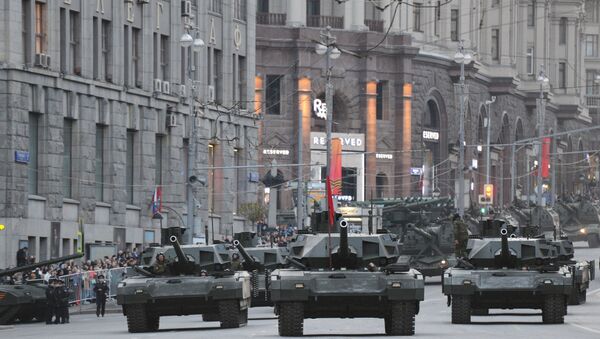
(253, 211)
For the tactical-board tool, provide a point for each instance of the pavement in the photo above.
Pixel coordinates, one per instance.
(111, 307)
(433, 321)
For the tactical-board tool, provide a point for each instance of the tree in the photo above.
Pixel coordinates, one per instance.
(253, 211)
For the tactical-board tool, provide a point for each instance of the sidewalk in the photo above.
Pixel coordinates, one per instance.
(111, 307)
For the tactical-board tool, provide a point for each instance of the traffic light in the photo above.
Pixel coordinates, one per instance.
(488, 192)
(483, 210)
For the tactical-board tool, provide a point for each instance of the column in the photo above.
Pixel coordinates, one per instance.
(304, 106)
(371, 137)
(296, 13)
(354, 15)
(505, 34)
(406, 142)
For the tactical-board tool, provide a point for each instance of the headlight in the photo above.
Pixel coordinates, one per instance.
(443, 262)
(447, 275)
(219, 287)
(299, 285)
(547, 282)
(467, 282)
(568, 275)
(396, 284)
(121, 284)
(583, 231)
(139, 291)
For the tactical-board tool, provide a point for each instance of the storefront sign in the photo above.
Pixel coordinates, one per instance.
(350, 141)
(344, 198)
(431, 135)
(386, 156)
(320, 109)
(22, 157)
(417, 171)
(276, 152)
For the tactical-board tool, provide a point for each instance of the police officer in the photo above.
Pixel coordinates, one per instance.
(62, 303)
(160, 266)
(101, 290)
(50, 300)
(461, 236)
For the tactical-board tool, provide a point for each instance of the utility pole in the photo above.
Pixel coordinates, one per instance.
(300, 190)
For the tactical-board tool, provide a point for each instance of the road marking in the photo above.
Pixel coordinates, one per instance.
(585, 328)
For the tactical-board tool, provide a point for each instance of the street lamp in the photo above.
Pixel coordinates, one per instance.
(196, 45)
(543, 81)
(463, 58)
(488, 106)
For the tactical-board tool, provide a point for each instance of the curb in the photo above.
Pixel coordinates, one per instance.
(6, 327)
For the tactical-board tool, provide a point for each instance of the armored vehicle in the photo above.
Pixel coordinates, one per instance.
(197, 280)
(345, 276)
(259, 262)
(26, 301)
(580, 221)
(582, 272)
(505, 271)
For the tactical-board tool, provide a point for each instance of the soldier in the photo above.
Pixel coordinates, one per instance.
(101, 290)
(235, 262)
(50, 300)
(461, 236)
(62, 303)
(160, 266)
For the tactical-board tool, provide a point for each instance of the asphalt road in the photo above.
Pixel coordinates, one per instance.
(432, 322)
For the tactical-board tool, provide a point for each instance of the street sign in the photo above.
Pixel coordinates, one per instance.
(416, 171)
(22, 157)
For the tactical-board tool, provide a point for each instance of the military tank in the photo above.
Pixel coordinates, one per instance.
(259, 262)
(198, 280)
(582, 271)
(26, 301)
(580, 221)
(505, 271)
(345, 276)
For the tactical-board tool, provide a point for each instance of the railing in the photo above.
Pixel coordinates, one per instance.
(374, 25)
(593, 100)
(275, 19)
(324, 21)
(82, 284)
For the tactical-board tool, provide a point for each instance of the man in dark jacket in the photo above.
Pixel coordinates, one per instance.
(22, 256)
(62, 303)
(50, 301)
(101, 290)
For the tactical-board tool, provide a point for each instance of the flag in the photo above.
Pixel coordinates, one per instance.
(157, 200)
(330, 205)
(545, 157)
(335, 172)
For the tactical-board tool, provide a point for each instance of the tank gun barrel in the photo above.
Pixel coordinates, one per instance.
(343, 250)
(296, 263)
(505, 257)
(421, 232)
(180, 255)
(249, 262)
(29, 267)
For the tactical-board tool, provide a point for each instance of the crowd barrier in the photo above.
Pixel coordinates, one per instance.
(82, 284)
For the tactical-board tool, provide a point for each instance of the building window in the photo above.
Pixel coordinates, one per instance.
(25, 29)
(164, 57)
(211, 176)
(158, 156)
(34, 123)
(313, 8)
(136, 56)
(530, 60)
(591, 45)
(495, 44)
(40, 28)
(100, 137)
(68, 158)
(531, 13)
(75, 33)
(95, 40)
(126, 55)
(438, 17)
(380, 97)
(562, 75)
(495, 3)
(417, 17)
(454, 24)
(562, 31)
(591, 85)
(591, 10)
(239, 9)
(218, 75)
(262, 6)
(273, 95)
(242, 82)
(215, 6)
(129, 166)
(107, 49)
(155, 55)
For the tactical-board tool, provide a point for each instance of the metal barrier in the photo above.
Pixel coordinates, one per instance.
(82, 284)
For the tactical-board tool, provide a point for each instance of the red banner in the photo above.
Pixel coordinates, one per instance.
(546, 158)
(335, 172)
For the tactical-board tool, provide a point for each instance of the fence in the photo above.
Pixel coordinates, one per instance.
(82, 284)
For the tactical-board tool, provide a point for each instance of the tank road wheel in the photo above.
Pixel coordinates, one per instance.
(291, 319)
(461, 309)
(229, 313)
(153, 322)
(593, 240)
(137, 319)
(575, 296)
(401, 320)
(210, 317)
(553, 310)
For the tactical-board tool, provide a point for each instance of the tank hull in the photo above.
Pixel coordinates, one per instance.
(22, 303)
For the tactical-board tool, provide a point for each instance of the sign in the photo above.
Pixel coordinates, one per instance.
(320, 109)
(431, 135)
(344, 198)
(276, 152)
(384, 156)
(416, 171)
(350, 141)
(253, 177)
(22, 157)
(487, 198)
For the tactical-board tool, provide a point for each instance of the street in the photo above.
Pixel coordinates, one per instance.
(433, 321)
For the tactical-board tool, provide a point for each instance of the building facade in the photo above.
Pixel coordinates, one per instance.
(98, 101)
(399, 96)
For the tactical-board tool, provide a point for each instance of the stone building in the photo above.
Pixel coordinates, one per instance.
(95, 114)
(399, 96)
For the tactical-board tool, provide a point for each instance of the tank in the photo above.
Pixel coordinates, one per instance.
(259, 262)
(198, 280)
(505, 271)
(26, 301)
(580, 221)
(583, 272)
(345, 276)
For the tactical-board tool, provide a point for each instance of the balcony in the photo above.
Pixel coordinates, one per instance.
(593, 100)
(324, 21)
(374, 25)
(274, 19)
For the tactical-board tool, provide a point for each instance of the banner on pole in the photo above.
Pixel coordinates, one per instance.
(335, 173)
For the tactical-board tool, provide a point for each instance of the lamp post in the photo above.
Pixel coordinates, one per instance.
(194, 45)
(488, 106)
(542, 80)
(328, 48)
(463, 58)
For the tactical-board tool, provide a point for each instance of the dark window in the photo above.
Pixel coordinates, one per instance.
(454, 24)
(218, 75)
(129, 165)
(63, 40)
(562, 75)
(215, 6)
(591, 83)
(495, 44)
(164, 56)
(417, 17)
(126, 55)
(562, 31)
(380, 98)
(313, 7)
(136, 56)
(75, 32)
(159, 159)
(96, 38)
(591, 45)
(531, 13)
(40, 28)
(100, 134)
(68, 158)
(273, 94)
(107, 49)
(25, 30)
(242, 82)
(34, 121)
(155, 55)
(438, 17)
(262, 6)
(349, 180)
(239, 9)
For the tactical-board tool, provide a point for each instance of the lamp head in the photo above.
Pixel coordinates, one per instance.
(186, 40)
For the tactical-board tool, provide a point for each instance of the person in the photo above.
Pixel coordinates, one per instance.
(22, 257)
(235, 262)
(160, 266)
(461, 236)
(50, 300)
(61, 296)
(101, 290)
